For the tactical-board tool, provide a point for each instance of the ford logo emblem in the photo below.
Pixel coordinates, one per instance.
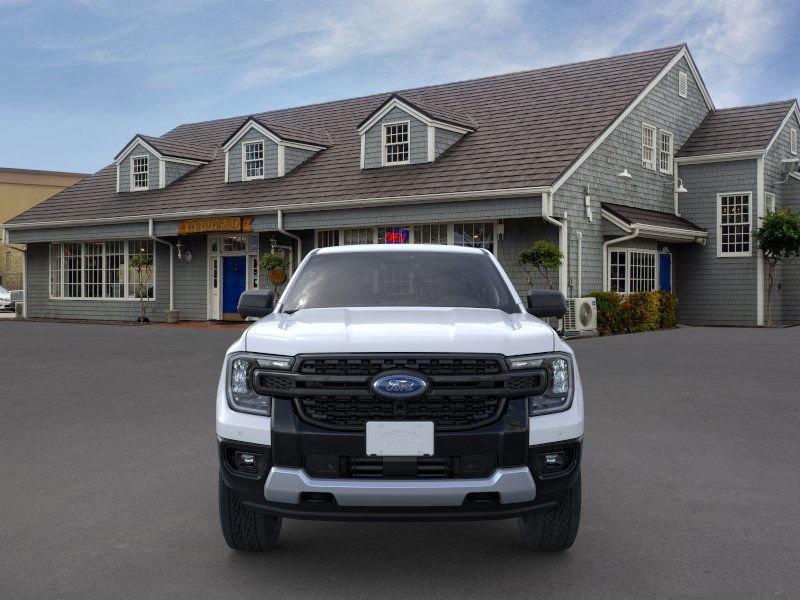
(399, 386)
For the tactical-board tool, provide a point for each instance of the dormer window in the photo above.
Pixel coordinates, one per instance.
(253, 160)
(396, 143)
(140, 169)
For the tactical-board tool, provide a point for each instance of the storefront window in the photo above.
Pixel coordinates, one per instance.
(474, 235)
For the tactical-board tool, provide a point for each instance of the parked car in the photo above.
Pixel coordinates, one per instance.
(5, 299)
(400, 382)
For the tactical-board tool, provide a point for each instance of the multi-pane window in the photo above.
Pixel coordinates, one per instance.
(115, 269)
(394, 235)
(140, 280)
(769, 199)
(100, 270)
(327, 238)
(648, 146)
(93, 269)
(631, 271)
(618, 261)
(140, 166)
(253, 159)
(430, 234)
(253, 272)
(353, 237)
(665, 151)
(793, 140)
(733, 224)
(683, 84)
(234, 243)
(474, 235)
(395, 143)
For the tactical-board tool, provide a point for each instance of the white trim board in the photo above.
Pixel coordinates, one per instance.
(395, 102)
(721, 157)
(659, 232)
(681, 54)
(794, 110)
(138, 140)
(252, 124)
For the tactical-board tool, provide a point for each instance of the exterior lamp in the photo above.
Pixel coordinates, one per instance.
(680, 189)
(624, 175)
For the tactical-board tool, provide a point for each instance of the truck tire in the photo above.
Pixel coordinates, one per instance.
(244, 528)
(553, 530)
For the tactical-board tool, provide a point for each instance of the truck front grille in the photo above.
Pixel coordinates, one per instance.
(465, 391)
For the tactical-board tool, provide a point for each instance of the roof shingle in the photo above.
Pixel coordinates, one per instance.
(530, 127)
(631, 215)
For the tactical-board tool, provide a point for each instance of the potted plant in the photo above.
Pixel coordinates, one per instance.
(142, 265)
(275, 265)
(543, 256)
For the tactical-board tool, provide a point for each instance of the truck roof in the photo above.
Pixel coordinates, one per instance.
(399, 248)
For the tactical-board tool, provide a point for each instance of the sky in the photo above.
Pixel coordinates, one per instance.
(81, 77)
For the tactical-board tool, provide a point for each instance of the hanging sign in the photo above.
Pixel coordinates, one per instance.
(216, 224)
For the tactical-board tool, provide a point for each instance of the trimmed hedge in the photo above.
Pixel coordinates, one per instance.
(640, 311)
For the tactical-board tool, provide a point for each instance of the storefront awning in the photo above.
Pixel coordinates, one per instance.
(653, 224)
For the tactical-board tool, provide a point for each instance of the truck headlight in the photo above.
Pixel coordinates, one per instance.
(560, 381)
(240, 367)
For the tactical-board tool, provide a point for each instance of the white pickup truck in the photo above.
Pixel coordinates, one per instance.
(400, 382)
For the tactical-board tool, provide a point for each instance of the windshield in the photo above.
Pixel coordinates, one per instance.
(442, 279)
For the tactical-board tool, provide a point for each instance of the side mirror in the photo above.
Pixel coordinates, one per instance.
(546, 303)
(256, 303)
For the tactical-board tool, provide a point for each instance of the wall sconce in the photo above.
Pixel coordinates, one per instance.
(624, 175)
(680, 189)
(184, 255)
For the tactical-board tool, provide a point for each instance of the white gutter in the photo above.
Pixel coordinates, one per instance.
(605, 253)
(547, 209)
(290, 235)
(152, 236)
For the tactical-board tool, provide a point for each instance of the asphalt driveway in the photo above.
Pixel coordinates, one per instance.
(108, 480)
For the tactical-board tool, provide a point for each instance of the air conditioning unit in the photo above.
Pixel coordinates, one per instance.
(581, 315)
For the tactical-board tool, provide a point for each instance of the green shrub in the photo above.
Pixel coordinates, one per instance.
(668, 309)
(641, 311)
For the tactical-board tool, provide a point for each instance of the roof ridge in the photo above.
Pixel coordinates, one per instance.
(676, 48)
(773, 103)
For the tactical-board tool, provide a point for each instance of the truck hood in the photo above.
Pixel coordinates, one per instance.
(343, 330)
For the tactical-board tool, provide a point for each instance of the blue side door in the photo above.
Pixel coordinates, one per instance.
(665, 272)
(233, 282)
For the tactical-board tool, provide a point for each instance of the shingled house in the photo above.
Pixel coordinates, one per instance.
(623, 161)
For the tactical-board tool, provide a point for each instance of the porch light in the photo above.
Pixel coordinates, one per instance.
(624, 175)
(680, 189)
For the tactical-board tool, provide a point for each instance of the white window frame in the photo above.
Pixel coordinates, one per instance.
(683, 84)
(793, 141)
(627, 251)
(665, 156)
(769, 202)
(649, 164)
(263, 160)
(720, 253)
(412, 226)
(133, 159)
(60, 269)
(384, 147)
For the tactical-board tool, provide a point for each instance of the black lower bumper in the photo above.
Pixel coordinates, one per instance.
(460, 455)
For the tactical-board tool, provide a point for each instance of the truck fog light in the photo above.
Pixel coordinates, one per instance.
(246, 461)
(553, 460)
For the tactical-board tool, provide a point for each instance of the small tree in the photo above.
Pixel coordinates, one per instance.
(142, 265)
(275, 266)
(543, 255)
(779, 239)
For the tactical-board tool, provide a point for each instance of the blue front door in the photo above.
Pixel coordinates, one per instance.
(665, 272)
(233, 282)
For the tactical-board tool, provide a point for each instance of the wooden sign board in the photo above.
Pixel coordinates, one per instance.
(216, 224)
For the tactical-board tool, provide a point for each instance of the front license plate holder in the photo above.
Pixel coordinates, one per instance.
(400, 438)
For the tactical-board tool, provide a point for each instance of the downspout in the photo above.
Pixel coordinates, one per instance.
(290, 235)
(547, 210)
(580, 264)
(675, 196)
(605, 253)
(152, 236)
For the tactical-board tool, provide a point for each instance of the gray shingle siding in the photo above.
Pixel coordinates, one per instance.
(270, 156)
(190, 290)
(174, 171)
(88, 233)
(786, 288)
(518, 235)
(418, 138)
(125, 169)
(443, 139)
(408, 214)
(294, 157)
(714, 290)
(649, 189)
